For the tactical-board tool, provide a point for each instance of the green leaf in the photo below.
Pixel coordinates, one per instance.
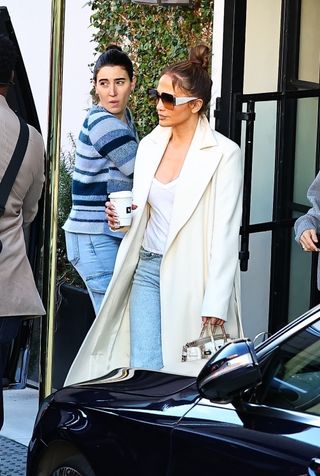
(154, 37)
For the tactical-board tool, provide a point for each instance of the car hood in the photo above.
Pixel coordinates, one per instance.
(128, 387)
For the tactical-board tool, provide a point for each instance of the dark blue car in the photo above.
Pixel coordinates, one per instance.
(251, 412)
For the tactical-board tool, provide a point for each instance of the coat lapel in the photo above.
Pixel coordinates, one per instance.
(200, 164)
(146, 165)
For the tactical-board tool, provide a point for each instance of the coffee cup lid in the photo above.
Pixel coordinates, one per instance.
(121, 194)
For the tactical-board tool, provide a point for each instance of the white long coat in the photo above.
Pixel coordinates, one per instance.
(199, 270)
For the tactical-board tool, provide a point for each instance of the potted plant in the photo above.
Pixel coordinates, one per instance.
(75, 312)
(65, 271)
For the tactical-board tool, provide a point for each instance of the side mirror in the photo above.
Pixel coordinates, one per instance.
(231, 370)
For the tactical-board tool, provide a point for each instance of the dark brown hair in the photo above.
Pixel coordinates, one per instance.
(8, 57)
(192, 75)
(113, 56)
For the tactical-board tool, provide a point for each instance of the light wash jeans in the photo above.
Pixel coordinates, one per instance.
(145, 318)
(93, 256)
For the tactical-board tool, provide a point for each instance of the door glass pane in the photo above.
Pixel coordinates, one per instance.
(309, 41)
(299, 281)
(263, 161)
(255, 284)
(305, 148)
(262, 46)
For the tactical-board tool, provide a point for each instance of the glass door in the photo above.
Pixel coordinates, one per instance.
(270, 105)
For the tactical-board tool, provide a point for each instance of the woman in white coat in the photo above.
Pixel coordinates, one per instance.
(177, 266)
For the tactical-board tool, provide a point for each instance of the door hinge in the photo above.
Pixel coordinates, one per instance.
(246, 116)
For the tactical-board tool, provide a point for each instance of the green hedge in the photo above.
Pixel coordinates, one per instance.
(153, 36)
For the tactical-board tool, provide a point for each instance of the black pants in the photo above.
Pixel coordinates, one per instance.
(9, 327)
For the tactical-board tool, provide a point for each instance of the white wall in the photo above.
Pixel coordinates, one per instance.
(78, 54)
(262, 46)
(31, 21)
(309, 41)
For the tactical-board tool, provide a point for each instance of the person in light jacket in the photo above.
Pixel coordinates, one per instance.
(177, 266)
(307, 227)
(19, 296)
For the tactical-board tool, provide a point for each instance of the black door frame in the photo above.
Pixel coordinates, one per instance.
(229, 114)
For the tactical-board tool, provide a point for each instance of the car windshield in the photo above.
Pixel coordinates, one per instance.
(292, 377)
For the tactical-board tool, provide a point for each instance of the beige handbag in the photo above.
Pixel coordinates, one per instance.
(211, 339)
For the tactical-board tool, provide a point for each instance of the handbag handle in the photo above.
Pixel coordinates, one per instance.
(213, 330)
(223, 331)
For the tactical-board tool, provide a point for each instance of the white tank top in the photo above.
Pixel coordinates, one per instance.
(160, 199)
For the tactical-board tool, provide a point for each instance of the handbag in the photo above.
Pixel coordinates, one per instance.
(211, 339)
(13, 167)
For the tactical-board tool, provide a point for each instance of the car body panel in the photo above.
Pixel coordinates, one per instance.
(141, 422)
(245, 437)
(136, 415)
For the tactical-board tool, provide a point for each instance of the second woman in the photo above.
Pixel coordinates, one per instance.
(105, 155)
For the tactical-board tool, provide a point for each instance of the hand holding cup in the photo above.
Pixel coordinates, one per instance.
(111, 216)
(119, 210)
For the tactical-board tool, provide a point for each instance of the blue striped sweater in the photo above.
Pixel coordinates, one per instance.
(104, 162)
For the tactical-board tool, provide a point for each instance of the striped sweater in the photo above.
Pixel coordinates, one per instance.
(104, 162)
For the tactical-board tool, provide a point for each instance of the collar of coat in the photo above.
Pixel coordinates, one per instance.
(198, 169)
(203, 136)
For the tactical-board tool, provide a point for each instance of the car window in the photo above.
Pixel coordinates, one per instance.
(292, 377)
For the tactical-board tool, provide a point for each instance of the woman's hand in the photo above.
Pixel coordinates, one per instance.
(111, 216)
(214, 321)
(309, 240)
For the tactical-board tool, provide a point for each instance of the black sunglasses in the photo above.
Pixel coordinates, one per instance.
(169, 100)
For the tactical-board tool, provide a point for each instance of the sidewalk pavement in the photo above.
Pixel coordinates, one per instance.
(20, 410)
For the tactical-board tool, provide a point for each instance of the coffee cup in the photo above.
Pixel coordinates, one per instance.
(122, 201)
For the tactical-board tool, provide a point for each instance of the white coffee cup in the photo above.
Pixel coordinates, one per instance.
(122, 201)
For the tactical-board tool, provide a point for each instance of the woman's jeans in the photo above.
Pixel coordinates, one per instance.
(93, 256)
(145, 317)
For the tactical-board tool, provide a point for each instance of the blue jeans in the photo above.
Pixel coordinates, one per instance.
(145, 317)
(93, 256)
